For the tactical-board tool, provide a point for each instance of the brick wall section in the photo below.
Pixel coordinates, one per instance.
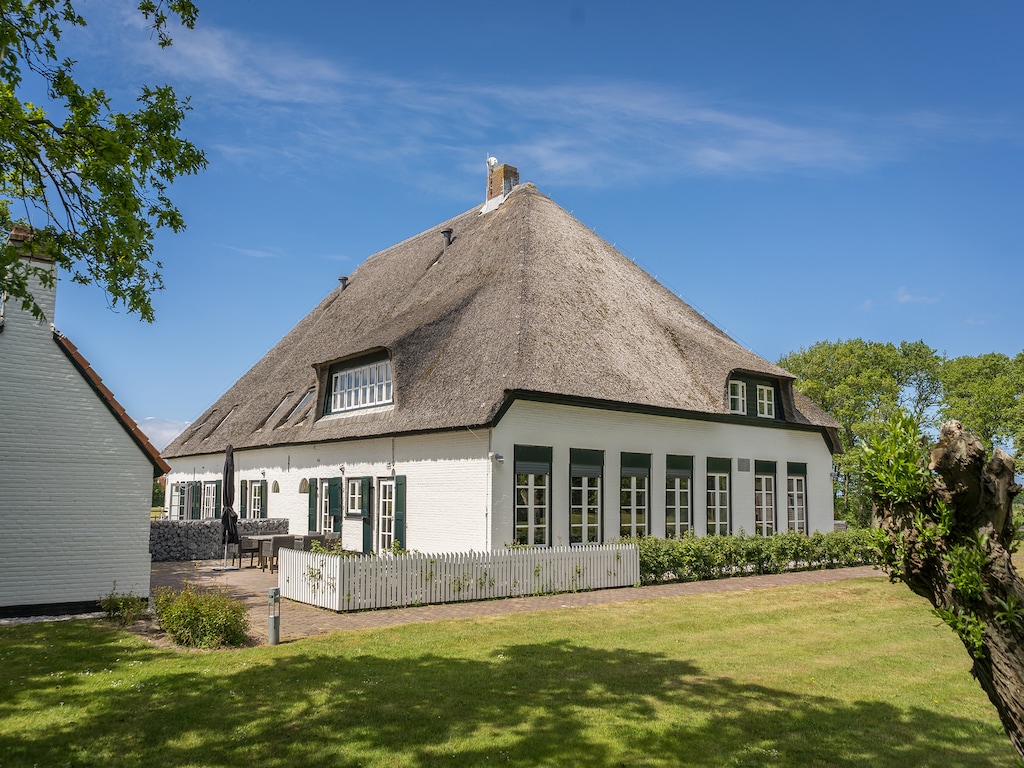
(179, 540)
(500, 180)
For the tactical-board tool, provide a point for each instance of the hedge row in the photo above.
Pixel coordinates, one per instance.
(694, 558)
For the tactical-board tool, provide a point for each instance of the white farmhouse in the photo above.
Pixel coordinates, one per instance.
(76, 473)
(509, 377)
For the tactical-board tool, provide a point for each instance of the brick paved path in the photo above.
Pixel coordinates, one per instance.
(299, 620)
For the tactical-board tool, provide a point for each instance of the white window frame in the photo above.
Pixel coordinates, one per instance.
(178, 508)
(718, 503)
(363, 386)
(208, 504)
(764, 504)
(385, 528)
(584, 507)
(796, 503)
(532, 510)
(257, 504)
(323, 517)
(738, 397)
(678, 507)
(633, 505)
(353, 497)
(765, 401)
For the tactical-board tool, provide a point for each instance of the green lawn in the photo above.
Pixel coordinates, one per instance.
(857, 673)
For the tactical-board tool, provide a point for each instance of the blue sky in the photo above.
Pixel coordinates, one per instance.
(797, 171)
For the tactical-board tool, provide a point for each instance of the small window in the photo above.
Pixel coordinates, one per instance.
(765, 401)
(301, 404)
(354, 497)
(274, 413)
(737, 397)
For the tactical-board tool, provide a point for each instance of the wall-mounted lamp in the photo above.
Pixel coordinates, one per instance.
(263, 472)
(496, 457)
(341, 468)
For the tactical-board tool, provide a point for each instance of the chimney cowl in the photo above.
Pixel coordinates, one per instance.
(343, 281)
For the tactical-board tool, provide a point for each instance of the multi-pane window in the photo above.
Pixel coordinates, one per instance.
(354, 497)
(633, 494)
(363, 386)
(718, 496)
(737, 397)
(385, 515)
(584, 510)
(678, 508)
(178, 507)
(765, 401)
(210, 500)
(796, 503)
(586, 478)
(533, 495)
(764, 504)
(256, 504)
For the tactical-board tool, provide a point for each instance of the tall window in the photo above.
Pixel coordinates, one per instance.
(678, 509)
(765, 401)
(633, 494)
(718, 496)
(533, 495)
(211, 499)
(257, 505)
(764, 504)
(178, 508)
(362, 386)
(385, 515)
(586, 472)
(737, 397)
(796, 497)
(354, 497)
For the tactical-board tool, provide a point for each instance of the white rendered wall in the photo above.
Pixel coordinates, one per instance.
(563, 427)
(447, 481)
(75, 489)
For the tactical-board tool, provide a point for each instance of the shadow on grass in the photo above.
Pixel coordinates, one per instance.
(555, 703)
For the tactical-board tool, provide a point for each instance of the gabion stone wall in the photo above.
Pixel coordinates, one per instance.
(200, 539)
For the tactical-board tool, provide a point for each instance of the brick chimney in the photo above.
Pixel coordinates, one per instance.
(500, 179)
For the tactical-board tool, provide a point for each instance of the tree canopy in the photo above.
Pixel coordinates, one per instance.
(89, 182)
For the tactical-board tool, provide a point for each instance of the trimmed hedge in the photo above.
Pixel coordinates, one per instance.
(693, 558)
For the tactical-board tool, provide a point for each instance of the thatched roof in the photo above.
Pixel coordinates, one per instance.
(525, 299)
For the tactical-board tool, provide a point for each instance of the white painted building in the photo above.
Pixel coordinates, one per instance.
(76, 474)
(509, 377)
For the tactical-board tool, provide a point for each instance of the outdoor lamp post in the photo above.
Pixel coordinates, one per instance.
(273, 616)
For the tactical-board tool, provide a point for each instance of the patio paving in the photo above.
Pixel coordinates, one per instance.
(299, 620)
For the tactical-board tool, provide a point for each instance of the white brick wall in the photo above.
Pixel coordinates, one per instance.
(75, 489)
(564, 427)
(448, 474)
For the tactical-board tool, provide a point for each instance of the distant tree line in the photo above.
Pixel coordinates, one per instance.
(863, 385)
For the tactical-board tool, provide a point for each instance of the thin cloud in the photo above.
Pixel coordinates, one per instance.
(905, 297)
(277, 104)
(257, 253)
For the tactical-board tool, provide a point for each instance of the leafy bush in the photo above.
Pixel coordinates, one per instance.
(123, 607)
(202, 618)
(693, 558)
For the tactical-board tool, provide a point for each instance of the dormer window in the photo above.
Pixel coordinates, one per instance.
(765, 401)
(363, 385)
(737, 397)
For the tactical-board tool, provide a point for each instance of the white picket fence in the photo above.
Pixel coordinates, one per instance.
(354, 583)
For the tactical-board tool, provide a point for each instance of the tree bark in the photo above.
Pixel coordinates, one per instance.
(960, 560)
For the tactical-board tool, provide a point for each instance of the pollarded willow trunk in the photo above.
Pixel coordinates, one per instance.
(952, 544)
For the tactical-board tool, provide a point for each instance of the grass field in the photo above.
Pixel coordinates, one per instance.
(856, 673)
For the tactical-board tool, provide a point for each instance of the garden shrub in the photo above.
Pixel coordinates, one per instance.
(123, 607)
(202, 618)
(693, 558)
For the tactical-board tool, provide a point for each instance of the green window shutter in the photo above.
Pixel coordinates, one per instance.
(400, 511)
(197, 499)
(264, 497)
(311, 522)
(217, 497)
(334, 502)
(243, 497)
(366, 495)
